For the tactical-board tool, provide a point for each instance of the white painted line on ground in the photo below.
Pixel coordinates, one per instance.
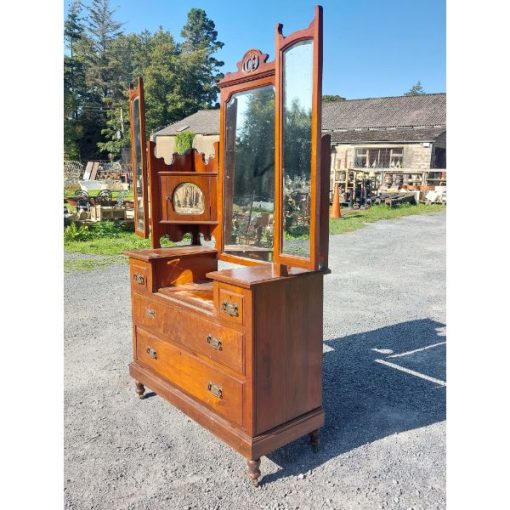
(416, 350)
(411, 372)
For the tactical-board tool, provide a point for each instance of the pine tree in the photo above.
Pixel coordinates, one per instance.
(104, 72)
(102, 30)
(160, 79)
(199, 69)
(415, 90)
(74, 82)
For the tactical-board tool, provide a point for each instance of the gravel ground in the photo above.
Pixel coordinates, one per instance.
(383, 445)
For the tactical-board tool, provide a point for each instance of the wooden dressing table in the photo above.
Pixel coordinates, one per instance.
(239, 350)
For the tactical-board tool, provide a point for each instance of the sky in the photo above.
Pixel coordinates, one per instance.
(372, 48)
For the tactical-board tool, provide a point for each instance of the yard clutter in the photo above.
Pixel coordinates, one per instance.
(101, 207)
(362, 188)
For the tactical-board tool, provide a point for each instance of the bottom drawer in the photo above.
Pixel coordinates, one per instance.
(218, 391)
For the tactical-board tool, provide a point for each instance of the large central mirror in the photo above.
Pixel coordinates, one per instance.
(249, 174)
(297, 148)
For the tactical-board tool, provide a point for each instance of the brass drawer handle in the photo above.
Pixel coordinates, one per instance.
(215, 390)
(230, 308)
(152, 353)
(150, 313)
(139, 278)
(214, 342)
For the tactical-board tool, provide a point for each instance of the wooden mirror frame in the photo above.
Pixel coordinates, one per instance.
(317, 259)
(253, 71)
(137, 93)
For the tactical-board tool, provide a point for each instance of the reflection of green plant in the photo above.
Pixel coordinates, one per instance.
(184, 141)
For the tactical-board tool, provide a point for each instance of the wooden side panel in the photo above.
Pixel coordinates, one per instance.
(288, 349)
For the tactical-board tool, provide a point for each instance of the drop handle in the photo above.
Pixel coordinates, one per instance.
(214, 342)
(150, 313)
(139, 278)
(152, 353)
(215, 390)
(230, 308)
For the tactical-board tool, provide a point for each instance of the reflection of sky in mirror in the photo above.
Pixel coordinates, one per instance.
(243, 99)
(297, 75)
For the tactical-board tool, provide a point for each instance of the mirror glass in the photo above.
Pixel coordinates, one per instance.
(140, 222)
(297, 148)
(249, 174)
(188, 199)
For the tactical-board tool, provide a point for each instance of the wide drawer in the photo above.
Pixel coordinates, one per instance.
(221, 393)
(219, 343)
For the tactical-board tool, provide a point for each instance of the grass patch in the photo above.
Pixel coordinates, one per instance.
(75, 265)
(110, 246)
(109, 240)
(354, 220)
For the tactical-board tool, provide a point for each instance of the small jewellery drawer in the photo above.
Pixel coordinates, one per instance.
(230, 305)
(148, 313)
(218, 343)
(139, 275)
(221, 393)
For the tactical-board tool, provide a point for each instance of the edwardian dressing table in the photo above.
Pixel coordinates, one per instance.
(239, 350)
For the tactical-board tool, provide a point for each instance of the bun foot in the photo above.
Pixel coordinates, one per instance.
(315, 438)
(140, 389)
(254, 471)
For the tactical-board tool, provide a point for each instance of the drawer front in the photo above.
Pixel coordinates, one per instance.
(231, 305)
(219, 392)
(148, 313)
(218, 343)
(139, 274)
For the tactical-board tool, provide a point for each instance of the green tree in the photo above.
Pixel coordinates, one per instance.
(74, 82)
(105, 75)
(100, 61)
(101, 32)
(327, 98)
(160, 77)
(415, 90)
(198, 74)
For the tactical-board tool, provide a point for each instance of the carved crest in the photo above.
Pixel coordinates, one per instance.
(253, 65)
(251, 61)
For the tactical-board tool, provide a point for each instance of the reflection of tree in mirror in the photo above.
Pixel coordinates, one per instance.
(253, 172)
(297, 146)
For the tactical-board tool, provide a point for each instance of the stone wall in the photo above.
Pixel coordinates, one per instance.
(417, 156)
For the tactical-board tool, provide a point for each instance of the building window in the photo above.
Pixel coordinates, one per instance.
(379, 158)
(439, 158)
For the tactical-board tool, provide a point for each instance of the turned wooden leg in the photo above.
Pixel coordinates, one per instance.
(254, 471)
(140, 389)
(315, 439)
